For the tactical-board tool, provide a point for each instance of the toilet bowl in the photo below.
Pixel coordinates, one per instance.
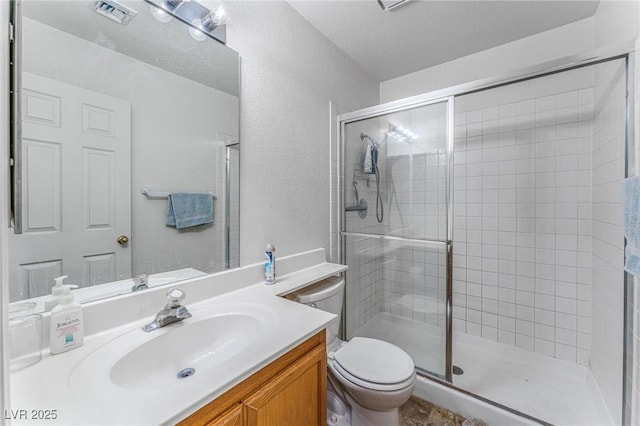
(374, 377)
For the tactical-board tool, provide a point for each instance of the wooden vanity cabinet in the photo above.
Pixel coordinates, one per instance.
(233, 417)
(292, 390)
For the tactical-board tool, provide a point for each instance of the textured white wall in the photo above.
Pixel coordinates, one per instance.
(615, 22)
(560, 42)
(290, 73)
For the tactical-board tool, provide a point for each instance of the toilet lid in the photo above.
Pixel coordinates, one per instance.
(374, 361)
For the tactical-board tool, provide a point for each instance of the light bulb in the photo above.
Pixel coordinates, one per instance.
(219, 12)
(160, 14)
(196, 33)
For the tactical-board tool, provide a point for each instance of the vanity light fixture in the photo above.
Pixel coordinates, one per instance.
(218, 15)
(160, 14)
(400, 133)
(207, 18)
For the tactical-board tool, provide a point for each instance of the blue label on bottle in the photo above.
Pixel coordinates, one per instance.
(269, 268)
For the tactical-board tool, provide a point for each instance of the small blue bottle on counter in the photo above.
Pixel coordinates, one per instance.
(270, 265)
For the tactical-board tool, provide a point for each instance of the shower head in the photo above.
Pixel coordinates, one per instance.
(364, 136)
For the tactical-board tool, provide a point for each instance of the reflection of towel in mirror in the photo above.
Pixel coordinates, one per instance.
(189, 209)
(631, 200)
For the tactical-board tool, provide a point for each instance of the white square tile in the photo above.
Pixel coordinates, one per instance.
(526, 328)
(508, 110)
(525, 298)
(566, 337)
(566, 321)
(525, 342)
(566, 305)
(526, 107)
(544, 301)
(544, 347)
(489, 333)
(567, 99)
(507, 337)
(525, 313)
(565, 352)
(544, 317)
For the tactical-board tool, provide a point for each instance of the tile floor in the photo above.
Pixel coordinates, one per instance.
(417, 412)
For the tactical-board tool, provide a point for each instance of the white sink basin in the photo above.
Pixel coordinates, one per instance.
(203, 344)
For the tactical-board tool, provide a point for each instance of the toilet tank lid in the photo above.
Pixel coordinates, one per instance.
(319, 291)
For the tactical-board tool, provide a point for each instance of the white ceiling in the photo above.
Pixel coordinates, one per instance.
(421, 34)
(167, 46)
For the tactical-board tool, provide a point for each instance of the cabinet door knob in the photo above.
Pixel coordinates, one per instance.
(123, 240)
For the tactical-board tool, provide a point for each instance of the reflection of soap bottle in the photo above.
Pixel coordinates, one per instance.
(56, 291)
(270, 265)
(66, 330)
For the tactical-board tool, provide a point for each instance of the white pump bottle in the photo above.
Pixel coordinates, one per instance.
(66, 330)
(56, 291)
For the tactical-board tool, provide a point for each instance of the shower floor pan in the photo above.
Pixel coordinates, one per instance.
(552, 390)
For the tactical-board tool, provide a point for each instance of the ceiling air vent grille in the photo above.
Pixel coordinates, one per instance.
(115, 11)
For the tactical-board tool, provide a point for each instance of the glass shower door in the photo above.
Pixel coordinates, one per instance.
(395, 193)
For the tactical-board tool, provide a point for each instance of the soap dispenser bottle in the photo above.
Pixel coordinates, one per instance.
(269, 265)
(56, 291)
(66, 329)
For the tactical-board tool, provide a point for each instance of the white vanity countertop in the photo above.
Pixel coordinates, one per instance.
(77, 384)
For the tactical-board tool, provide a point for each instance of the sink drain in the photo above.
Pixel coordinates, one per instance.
(187, 372)
(457, 370)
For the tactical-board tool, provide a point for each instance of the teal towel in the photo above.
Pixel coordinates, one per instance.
(189, 209)
(631, 200)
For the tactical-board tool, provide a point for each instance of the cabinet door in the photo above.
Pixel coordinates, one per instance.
(233, 417)
(296, 396)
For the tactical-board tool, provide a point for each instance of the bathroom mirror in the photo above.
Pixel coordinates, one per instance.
(115, 114)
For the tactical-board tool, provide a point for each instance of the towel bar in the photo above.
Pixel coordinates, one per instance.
(161, 194)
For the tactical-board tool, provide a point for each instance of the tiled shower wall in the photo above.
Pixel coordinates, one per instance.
(362, 254)
(406, 279)
(522, 215)
(414, 274)
(528, 225)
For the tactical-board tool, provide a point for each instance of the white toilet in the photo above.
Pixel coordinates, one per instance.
(374, 376)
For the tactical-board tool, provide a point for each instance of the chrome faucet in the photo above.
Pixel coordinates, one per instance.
(140, 282)
(172, 312)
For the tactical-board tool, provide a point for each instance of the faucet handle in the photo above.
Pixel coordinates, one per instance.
(174, 297)
(141, 279)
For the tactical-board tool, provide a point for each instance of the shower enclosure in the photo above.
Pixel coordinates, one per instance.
(497, 263)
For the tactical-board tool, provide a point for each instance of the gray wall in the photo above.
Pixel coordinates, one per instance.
(290, 73)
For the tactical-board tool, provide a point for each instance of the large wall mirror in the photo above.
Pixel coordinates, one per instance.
(114, 117)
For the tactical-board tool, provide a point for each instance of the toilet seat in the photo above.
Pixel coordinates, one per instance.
(373, 364)
(337, 369)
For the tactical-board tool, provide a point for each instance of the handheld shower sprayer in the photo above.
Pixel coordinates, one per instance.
(355, 189)
(370, 166)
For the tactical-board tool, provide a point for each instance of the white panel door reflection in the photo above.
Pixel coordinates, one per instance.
(76, 188)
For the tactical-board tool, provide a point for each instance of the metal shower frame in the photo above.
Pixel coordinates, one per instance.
(623, 51)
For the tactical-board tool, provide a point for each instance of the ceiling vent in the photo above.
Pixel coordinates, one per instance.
(115, 11)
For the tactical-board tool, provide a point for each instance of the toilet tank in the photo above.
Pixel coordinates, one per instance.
(326, 295)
